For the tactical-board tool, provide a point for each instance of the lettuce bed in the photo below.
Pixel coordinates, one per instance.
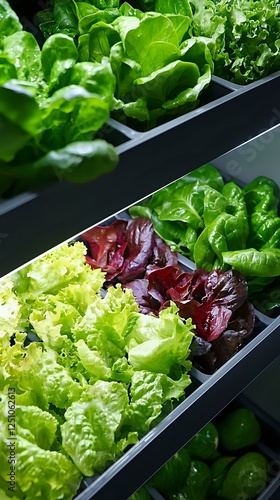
(98, 378)
(51, 108)
(160, 68)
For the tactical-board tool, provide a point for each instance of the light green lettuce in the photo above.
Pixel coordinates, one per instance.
(157, 344)
(90, 431)
(53, 271)
(148, 394)
(50, 382)
(90, 374)
(39, 472)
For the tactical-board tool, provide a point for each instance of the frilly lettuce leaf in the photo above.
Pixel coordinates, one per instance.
(101, 375)
(100, 334)
(10, 355)
(246, 36)
(53, 271)
(148, 393)
(40, 372)
(89, 433)
(81, 295)
(44, 473)
(44, 425)
(52, 321)
(107, 321)
(93, 361)
(10, 309)
(157, 343)
(40, 473)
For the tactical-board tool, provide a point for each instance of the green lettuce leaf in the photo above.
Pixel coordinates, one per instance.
(89, 433)
(40, 372)
(9, 21)
(53, 271)
(59, 53)
(245, 35)
(10, 309)
(103, 329)
(148, 393)
(52, 321)
(19, 118)
(23, 50)
(39, 472)
(43, 428)
(156, 344)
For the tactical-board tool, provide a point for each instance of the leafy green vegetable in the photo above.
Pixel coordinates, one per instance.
(155, 81)
(217, 224)
(89, 432)
(9, 21)
(85, 390)
(165, 76)
(245, 36)
(173, 474)
(246, 478)
(197, 485)
(155, 343)
(39, 471)
(251, 262)
(51, 110)
(219, 469)
(177, 211)
(239, 429)
(204, 445)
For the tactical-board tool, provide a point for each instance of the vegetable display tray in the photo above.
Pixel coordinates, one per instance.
(148, 161)
(212, 392)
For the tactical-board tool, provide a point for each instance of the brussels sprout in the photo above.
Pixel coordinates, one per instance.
(204, 444)
(239, 429)
(173, 474)
(219, 469)
(246, 478)
(198, 484)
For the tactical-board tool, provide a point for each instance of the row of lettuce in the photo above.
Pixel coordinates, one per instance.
(135, 257)
(82, 377)
(216, 223)
(140, 62)
(219, 224)
(55, 99)
(243, 35)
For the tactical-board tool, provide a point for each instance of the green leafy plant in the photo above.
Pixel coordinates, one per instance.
(97, 377)
(51, 109)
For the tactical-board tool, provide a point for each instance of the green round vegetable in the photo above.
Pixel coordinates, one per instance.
(219, 469)
(173, 474)
(198, 483)
(246, 478)
(204, 444)
(238, 429)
